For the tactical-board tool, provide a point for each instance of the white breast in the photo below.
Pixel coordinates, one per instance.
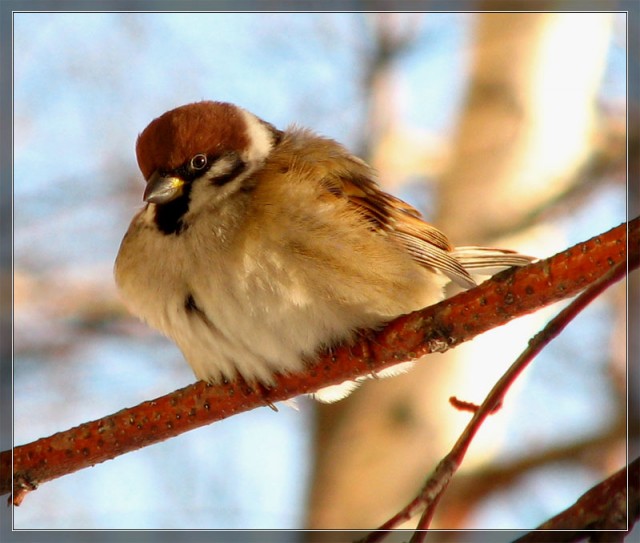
(271, 302)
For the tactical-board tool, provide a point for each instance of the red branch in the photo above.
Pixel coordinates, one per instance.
(510, 294)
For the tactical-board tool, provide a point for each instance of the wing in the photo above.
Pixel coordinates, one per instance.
(391, 216)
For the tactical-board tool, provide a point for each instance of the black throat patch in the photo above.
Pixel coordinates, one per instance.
(170, 216)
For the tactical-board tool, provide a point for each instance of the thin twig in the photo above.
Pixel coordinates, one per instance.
(471, 487)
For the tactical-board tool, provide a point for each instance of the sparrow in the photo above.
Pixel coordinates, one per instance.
(258, 247)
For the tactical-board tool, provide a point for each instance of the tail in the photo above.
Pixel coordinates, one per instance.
(488, 260)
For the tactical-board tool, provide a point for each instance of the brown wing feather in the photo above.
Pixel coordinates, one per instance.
(425, 243)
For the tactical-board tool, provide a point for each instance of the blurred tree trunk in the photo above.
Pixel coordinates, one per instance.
(525, 127)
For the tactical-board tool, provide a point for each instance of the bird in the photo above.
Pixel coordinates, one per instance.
(257, 248)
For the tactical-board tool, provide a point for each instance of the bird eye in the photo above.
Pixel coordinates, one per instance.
(198, 162)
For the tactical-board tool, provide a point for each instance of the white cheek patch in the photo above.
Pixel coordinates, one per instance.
(260, 137)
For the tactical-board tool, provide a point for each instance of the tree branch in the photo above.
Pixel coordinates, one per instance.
(512, 293)
(604, 507)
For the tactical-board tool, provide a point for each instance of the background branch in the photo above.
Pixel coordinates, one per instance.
(604, 507)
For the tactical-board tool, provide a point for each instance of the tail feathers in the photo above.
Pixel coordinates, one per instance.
(488, 260)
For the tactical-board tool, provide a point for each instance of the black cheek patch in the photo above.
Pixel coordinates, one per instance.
(238, 167)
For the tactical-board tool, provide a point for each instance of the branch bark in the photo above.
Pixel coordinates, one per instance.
(604, 507)
(512, 293)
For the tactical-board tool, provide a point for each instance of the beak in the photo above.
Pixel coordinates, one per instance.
(162, 189)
